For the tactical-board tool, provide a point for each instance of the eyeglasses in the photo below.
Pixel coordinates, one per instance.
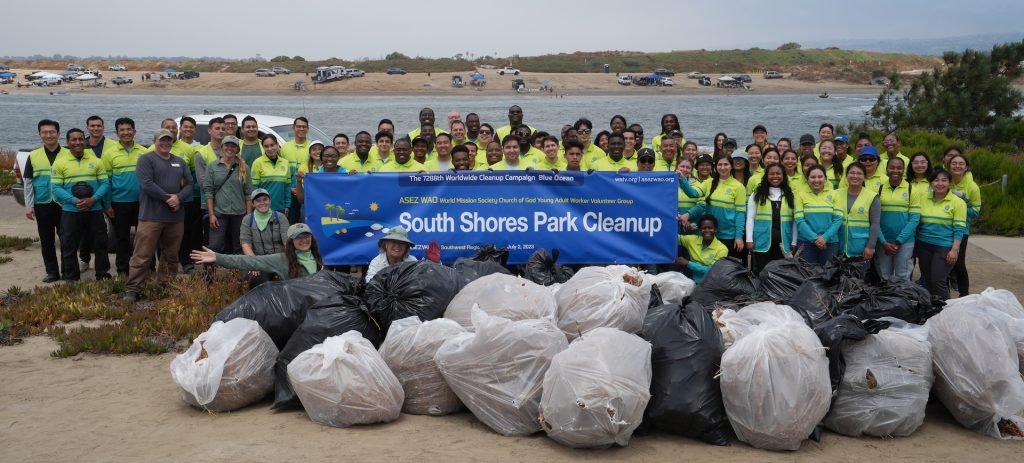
(582, 130)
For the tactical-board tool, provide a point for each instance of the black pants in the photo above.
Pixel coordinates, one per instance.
(48, 226)
(295, 211)
(76, 228)
(192, 240)
(741, 254)
(126, 216)
(761, 259)
(934, 269)
(226, 240)
(963, 281)
(85, 248)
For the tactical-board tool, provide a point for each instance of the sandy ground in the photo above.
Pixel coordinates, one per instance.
(126, 408)
(437, 83)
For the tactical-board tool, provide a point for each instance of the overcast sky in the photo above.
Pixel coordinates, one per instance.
(319, 29)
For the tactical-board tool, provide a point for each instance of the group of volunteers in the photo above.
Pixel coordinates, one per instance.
(237, 201)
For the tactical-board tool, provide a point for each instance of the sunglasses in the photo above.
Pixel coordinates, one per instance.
(645, 161)
(868, 159)
(485, 132)
(583, 131)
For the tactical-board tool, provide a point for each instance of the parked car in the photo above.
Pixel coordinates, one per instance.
(395, 70)
(745, 78)
(119, 80)
(625, 80)
(508, 70)
(772, 75)
(189, 75)
(281, 70)
(664, 72)
(667, 82)
(694, 75)
(355, 73)
(263, 72)
(75, 67)
(117, 67)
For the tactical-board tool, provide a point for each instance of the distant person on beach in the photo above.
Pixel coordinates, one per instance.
(124, 198)
(165, 183)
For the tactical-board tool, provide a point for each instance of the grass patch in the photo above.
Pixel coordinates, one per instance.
(168, 314)
(14, 243)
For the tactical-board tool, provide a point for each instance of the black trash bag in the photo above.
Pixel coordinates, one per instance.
(656, 299)
(815, 301)
(491, 253)
(332, 316)
(843, 267)
(686, 354)
(467, 270)
(832, 333)
(848, 293)
(727, 281)
(421, 288)
(782, 277)
(279, 307)
(904, 300)
(542, 268)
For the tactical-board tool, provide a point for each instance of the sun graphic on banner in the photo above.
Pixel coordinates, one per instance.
(374, 206)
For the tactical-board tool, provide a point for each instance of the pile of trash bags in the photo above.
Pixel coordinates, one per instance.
(593, 356)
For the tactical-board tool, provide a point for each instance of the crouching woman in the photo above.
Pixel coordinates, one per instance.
(301, 256)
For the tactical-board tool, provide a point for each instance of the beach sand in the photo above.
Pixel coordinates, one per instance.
(221, 83)
(126, 408)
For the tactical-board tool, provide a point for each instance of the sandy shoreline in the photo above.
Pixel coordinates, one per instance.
(218, 83)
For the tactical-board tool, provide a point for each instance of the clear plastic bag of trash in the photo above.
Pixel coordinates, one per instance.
(595, 392)
(615, 296)
(886, 385)
(775, 385)
(734, 324)
(344, 381)
(409, 351)
(674, 286)
(977, 369)
(497, 370)
(229, 366)
(505, 296)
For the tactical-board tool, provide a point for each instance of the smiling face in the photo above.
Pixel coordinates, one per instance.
(363, 144)
(126, 133)
(330, 157)
(919, 165)
(515, 115)
(426, 117)
(855, 177)
(724, 168)
(891, 144)
(95, 128)
(459, 131)
(262, 203)
(511, 150)
(171, 126)
(816, 179)
(494, 153)
(303, 242)
(49, 135)
(271, 147)
(789, 161)
(250, 130)
(395, 250)
(940, 185)
(684, 169)
(76, 143)
(754, 152)
(551, 149)
(774, 175)
(461, 161)
(894, 170)
(707, 230)
(957, 165)
(402, 151)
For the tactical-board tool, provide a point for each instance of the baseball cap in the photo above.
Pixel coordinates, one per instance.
(230, 139)
(761, 128)
(674, 132)
(842, 139)
(162, 133)
(257, 192)
(297, 229)
(645, 153)
(869, 151)
(704, 158)
(729, 141)
(806, 139)
(740, 155)
(316, 142)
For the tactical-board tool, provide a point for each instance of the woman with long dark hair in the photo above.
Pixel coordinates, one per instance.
(301, 256)
(669, 122)
(720, 139)
(726, 199)
(943, 221)
(818, 218)
(962, 185)
(770, 229)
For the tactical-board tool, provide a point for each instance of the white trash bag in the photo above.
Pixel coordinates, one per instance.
(229, 366)
(734, 324)
(497, 371)
(775, 385)
(344, 381)
(501, 295)
(674, 286)
(977, 370)
(615, 296)
(595, 392)
(886, 385)
(409, 351)
(999, 299)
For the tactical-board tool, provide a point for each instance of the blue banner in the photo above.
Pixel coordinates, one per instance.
(602, 217)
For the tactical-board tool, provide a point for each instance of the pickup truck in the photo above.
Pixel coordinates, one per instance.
(117, 67)
(119, 80)
(508, 70)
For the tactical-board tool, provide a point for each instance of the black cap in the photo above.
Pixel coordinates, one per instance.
(645, 153)
(704, 158)
(674, 132)
(761, 128)
(730, 141)
(807, 139)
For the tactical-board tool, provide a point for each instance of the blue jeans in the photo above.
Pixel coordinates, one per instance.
(897, 267)
(810, 253)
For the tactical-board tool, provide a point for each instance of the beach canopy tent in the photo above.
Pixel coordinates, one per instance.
(47, 75)
(7, 74)
(544, 81)
(476, 76)
(87, 77)
(726, 79)
(170, 70)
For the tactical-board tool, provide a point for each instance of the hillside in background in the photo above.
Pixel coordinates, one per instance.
(804, 64)
(931, 47)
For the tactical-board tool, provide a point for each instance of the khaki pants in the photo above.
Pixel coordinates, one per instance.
(148, 235)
